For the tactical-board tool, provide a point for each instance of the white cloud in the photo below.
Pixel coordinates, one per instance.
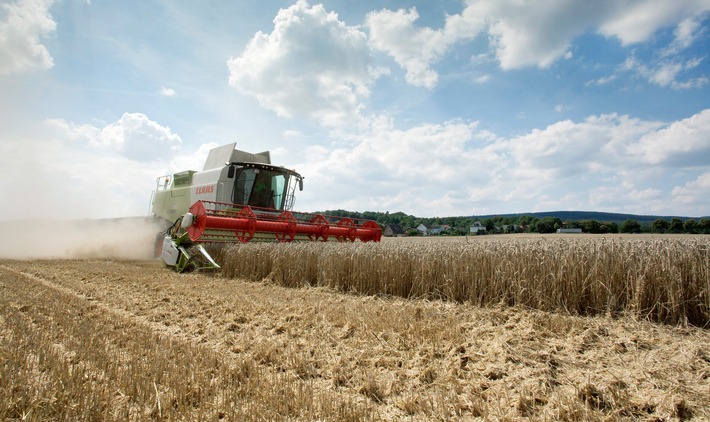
(682, 143)
(695, 193)
(412, 48)
(292, 134)
(686, 33)
(602, 81)
(482, 79)
(167, 92)
(693, 83)
(416, 48)
(667, 69)
(134, 135)
(311, 65)
(23, 23)
(567, 148)
(604, 162)
(525, 34)
(634, 22)
(664, 73)
(73, 171)
(396, 169)
(625, 197)
(609, 162)
(535, 34)
(520, 34)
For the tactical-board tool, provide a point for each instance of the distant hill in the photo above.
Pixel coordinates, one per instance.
(410, 221)
(589, 215)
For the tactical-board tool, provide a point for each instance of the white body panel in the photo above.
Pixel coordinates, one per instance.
(170, 251)
(211, 185)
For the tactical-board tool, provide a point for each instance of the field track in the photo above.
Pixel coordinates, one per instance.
(104, 339)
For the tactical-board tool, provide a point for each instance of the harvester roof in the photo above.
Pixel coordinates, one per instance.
(220, 156)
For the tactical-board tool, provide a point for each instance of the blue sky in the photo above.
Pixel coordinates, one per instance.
(433, 108)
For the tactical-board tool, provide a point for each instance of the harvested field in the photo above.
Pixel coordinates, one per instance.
(130, 340)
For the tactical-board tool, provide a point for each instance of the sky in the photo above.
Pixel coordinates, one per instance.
(432, 108)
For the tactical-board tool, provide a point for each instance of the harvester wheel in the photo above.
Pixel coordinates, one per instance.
(246, 234)
(322, 225)
(350, 225)
(290, 221)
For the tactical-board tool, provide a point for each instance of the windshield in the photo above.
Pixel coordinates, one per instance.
(260, 188)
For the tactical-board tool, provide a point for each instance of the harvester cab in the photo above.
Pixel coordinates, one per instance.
(239, 197)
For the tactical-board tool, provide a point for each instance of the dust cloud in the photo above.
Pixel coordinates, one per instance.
(119, 238)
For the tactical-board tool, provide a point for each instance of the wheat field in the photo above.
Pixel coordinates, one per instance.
(318, 337)
(660, 279)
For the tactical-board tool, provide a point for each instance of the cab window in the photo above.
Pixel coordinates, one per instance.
(260, 188)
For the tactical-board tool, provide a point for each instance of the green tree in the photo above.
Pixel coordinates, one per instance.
(704, 225)
(525, 220)
(490, 225)
(659, 225)
(676, 225)
(547, 225)
(630, 226)
(590, 226)
(533, 224)
(690, 226)
(609, 227)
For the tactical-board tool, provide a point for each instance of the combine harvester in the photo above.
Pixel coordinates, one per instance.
(239, 197)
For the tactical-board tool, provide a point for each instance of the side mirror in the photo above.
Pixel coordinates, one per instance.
(300, 184)
(231, 171)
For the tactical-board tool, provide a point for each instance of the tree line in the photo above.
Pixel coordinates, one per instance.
(659, 225)
(530, 224)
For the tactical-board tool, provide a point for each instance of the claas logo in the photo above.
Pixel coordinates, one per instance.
(204, 189)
